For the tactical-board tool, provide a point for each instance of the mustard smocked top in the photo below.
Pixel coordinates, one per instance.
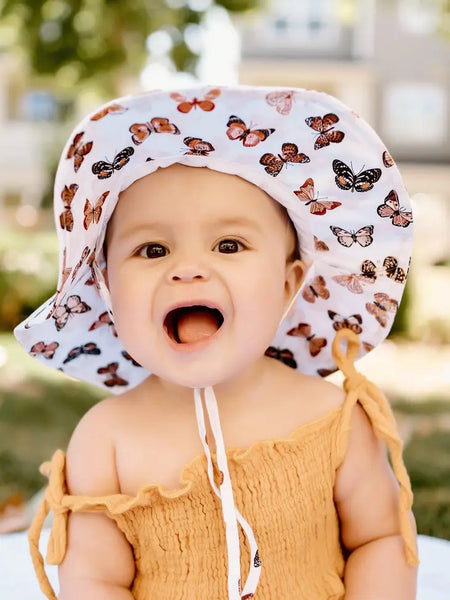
(283, 488)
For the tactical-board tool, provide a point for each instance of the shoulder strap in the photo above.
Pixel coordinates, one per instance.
(53, 500)
(359, 389)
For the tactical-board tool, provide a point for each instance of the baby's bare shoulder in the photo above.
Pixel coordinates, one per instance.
(90, 457)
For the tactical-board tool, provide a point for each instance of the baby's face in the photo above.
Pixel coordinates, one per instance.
(198, 273)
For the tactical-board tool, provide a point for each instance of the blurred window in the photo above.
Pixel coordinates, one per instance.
(420, 17)
(309, 23)
(415, 113)
(39, 105)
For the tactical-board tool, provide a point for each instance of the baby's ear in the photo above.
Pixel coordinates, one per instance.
(295, 271)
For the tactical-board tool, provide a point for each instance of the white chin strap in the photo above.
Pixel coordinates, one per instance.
(231, 515)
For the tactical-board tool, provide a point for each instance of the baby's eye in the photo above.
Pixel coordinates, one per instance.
(152, 251)
(229, 246)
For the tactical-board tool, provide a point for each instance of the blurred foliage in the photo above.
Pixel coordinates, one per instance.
(99, 40)
(28, 274)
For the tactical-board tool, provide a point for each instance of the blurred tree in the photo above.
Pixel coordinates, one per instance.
(80, 40)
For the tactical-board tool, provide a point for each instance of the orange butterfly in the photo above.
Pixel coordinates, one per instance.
(352, 322)
(73, 306)
(66, 217)
(285, 356)
(128, 356)
(367, 347)
(197, 146)
(319, 245)
(316, 207)
(381, 305)
(111, 109)
(326, 372)
(78, 150)
(282, 101)
(65, 273)
(111, 370)
(325, 126)
(316, 289)
(304, 330)
(84, 255)
(353, 281)
(92, 213)
(388, 161)
(391, 208)
(186, 105)
(104, 319)
(289, 154)
(47, 350)
(141, 131)
(238, 130)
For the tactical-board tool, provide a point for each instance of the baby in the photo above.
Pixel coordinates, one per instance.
(181, 283)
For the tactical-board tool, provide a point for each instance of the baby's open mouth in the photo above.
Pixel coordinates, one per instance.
(190, 324)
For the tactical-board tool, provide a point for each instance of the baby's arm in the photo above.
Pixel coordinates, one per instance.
(99, 562)
(366, 496)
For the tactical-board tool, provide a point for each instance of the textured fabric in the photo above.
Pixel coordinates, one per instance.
(284, 487)
(307, 150)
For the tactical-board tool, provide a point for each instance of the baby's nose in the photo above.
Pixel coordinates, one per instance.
(189, 272)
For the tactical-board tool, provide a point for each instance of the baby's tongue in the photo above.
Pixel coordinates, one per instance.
(196, 325)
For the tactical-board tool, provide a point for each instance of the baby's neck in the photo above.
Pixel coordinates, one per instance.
(246, 386)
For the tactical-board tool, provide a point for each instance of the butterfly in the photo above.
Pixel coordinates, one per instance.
(238, 130)
(111, 370)
(392, 270)
(141, 131)
(129, 357)
(84, 255)
(282, 101)
(89, 349)
(65, 273)
(78, 150)
(66, 217)
(347, 238)
(104, 169)
(381, 305)
(73, 306)
(367, 347)
(92, 213)
(315, 343)
(391, 208)
(285, 356)
(326, 372)
(316, 289)
(346, 179)
(111, 109)
(186, 105)
(47, 350)
(352, 322)
(197, 146)
(388, 161)
(316, 207)
(104, 319)
(319, 245)
(289, 154)
(325, 126)
(353, 281)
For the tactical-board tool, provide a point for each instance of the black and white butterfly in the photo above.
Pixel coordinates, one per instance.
(347, 180)
(347, 238)
(89, 348)
(104, 169)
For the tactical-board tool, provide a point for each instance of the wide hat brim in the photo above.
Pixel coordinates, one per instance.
(307, 150)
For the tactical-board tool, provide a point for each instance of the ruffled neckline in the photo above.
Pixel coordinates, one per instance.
(120, 503)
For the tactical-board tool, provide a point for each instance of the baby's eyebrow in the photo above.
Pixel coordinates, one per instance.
(236, 222)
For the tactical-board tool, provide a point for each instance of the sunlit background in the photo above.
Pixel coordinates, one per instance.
(388, 59)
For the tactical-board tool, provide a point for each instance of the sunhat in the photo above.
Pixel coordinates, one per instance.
(308, 151)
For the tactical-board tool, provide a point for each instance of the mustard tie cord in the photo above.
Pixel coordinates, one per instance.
(357, 387)
(53, 500)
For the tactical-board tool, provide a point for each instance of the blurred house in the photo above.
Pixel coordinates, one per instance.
(387, 61)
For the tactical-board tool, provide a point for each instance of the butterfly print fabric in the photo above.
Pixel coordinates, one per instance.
(305, 149)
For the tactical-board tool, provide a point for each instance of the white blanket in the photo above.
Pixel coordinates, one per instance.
(18, 582)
